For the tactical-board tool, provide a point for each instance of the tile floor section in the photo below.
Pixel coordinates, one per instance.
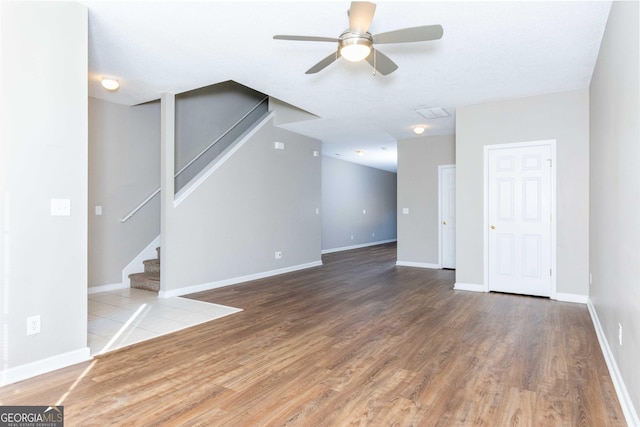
(127, 316)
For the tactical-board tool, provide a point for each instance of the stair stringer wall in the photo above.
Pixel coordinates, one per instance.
(258, 201)
(206, 172)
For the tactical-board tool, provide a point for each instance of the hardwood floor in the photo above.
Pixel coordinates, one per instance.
(358, 341)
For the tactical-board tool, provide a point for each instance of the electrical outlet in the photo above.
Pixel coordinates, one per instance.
(352, 237)
(620, 333)
(33, 325)
(373, 234)
(278, 254)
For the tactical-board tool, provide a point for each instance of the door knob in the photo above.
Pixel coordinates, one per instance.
(444, 222)
(493, 227)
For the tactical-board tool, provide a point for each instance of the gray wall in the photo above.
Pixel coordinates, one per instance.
(124, 168)
(43, 155)
(349, 189)
(418, 161)
(259, 201)
(615, 191)
(202, 115)
(560, 116)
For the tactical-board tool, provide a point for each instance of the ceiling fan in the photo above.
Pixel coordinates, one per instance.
(356, 43)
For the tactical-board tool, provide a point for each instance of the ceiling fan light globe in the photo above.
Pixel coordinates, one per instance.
(355, 52)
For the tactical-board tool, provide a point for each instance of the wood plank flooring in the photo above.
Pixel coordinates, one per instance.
(355, 342)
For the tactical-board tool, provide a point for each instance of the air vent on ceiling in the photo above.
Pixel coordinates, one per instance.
(433, 113)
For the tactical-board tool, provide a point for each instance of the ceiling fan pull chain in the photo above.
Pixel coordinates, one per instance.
(374, 62)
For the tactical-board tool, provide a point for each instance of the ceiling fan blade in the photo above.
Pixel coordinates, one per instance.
(360, 16)
(407, 35)
(324, 63)
(306, 38)
(381, 62)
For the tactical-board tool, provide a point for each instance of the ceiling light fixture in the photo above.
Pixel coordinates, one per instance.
(418, 130)
(110, 83)
(355, 47)
(359, 153)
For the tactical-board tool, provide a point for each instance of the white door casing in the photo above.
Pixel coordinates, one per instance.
(447, 215)
(520, 218)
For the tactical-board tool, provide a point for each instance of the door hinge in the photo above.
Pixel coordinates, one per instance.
(550, 162)
(550, 273)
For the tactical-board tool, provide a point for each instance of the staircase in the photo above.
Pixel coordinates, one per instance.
(150, 279)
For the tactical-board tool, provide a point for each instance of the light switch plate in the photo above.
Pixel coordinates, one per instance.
(405, 211)
(60, 207)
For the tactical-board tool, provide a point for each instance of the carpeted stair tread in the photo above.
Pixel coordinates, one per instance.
(152, 266)
(147, 281)
(146, 274)
(150, 279)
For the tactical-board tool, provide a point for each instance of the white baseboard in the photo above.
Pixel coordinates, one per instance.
(579, 299)
(136, 265)
(29, 370)
(417, 264)
(106, 288)
(234, 281)
(363, 245)
(628, 410)
(473, 287)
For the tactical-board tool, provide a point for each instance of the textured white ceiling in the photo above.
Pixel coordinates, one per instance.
(489, 51)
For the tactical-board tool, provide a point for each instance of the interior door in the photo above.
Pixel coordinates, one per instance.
(519, 216)
(447, 182)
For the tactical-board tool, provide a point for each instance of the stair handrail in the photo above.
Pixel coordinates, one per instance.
(137, 208)
(225, 133)
(221, 136)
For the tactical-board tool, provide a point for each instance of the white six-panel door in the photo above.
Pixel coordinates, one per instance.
(519, 209)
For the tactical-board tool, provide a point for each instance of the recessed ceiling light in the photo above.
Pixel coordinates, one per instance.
(359, 153)
(109, 83)
(418, 130)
